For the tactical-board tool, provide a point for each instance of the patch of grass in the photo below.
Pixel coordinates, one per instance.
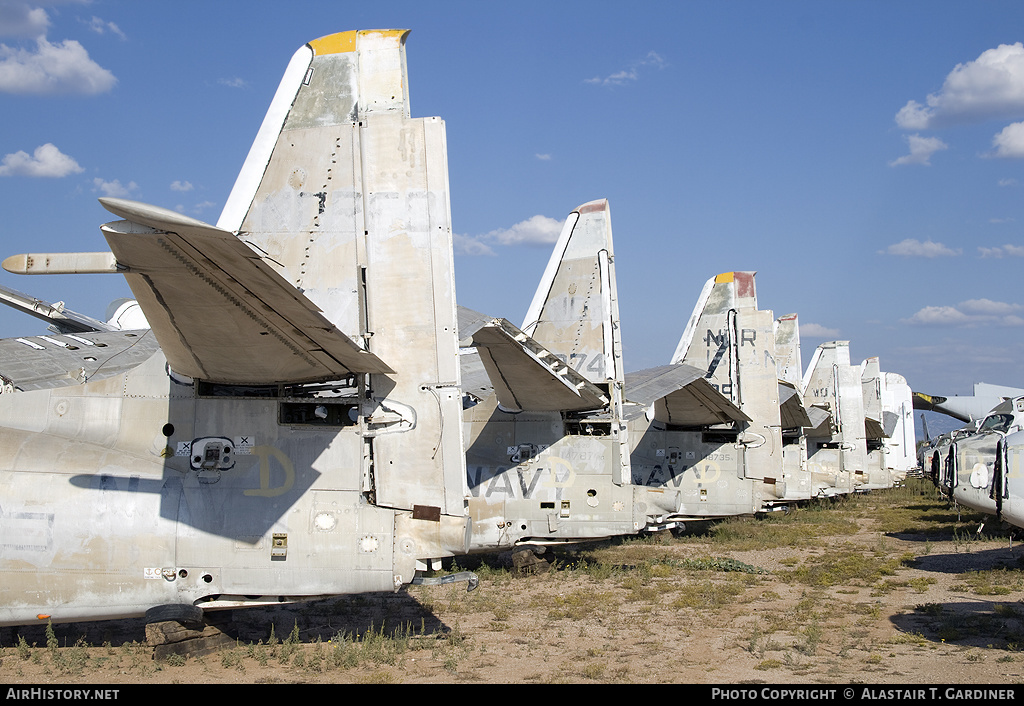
(706, 594)
(994, 582)
(843, 567)
(578, 604)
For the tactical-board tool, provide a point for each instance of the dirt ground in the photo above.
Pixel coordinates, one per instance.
(943, 610)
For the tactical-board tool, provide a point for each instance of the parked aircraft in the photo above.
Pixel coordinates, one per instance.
(979, 463)
(967, 408)
(547, 452)
(836, 448)
(899, 450)
(297, 430)
(728, 464)
(1008, 490)
(796, 416)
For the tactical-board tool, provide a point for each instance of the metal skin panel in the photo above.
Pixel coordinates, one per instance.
(723, 470)
(795, 415)
(576, 315)
(680, 396)
(405, 185)
(532, 481)
(787, 349)
(707, 473)
(524, 376)
(974, 465)
(1012, 505)
(206, 295)
(58, 360)
(149, 487)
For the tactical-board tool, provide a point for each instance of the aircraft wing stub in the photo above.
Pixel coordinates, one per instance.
(59, 360)
(208, 296)
(57, 315)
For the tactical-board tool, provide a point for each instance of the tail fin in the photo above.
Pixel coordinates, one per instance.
(575, 311)
(733, 341)
(832, 382)
(347, 197)
(871, 393)
(787, 348)
(712, 338)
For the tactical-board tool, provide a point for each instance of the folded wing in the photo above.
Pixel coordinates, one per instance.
(681, 396)
(219, 311)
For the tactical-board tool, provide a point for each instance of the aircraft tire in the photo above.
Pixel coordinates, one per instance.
(183, 613)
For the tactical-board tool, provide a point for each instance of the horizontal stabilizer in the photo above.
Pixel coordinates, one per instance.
(526, 377)
(219, 311)
(681, 396)
(791, 407)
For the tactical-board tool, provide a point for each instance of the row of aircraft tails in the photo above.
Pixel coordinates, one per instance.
(306, 411)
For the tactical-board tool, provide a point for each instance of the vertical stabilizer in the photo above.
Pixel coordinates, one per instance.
(347, 196)
(787, 349)
(712, 338)
(898, 406)
(832, 383)
(575, 311)
(734, 342)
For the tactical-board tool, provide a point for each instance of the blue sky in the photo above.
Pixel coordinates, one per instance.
(865, 158)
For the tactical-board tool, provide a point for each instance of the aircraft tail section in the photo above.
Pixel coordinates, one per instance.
(711, 340)
(832, 383)
(871, 391)
(787, 349)
(575, 311)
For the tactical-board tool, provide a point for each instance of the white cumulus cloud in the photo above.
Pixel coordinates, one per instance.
(114, 188)
(921, 150)
(973, 312)
(1002, 251)
(911, 247)
(1010, 142)
(991, 86)
(45, 161)
(810, 330)
(52, 69)
(468, 245)
(535, 230)
(101, 26)
(181, 186)
(630, 73)
(20, 19)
